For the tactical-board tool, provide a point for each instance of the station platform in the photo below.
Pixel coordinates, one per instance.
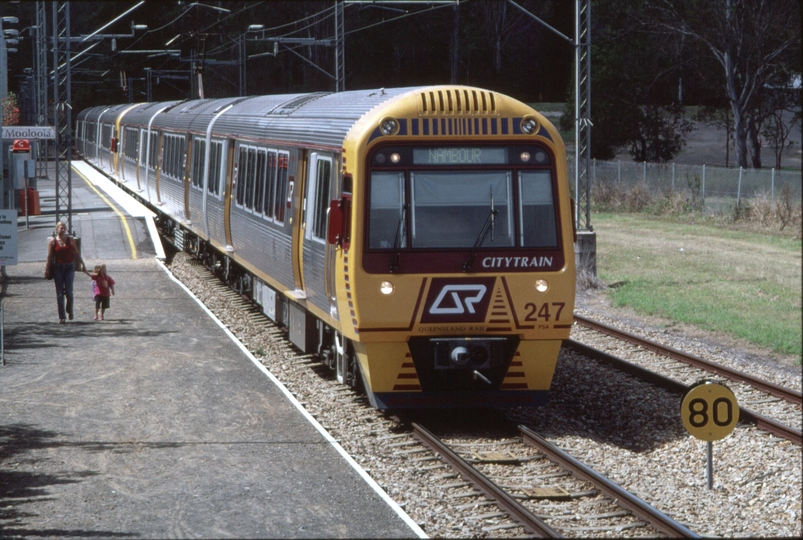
(154, 423)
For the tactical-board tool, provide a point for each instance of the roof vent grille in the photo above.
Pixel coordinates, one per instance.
(458, 102)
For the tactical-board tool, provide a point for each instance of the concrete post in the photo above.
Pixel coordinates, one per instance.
(585, 252)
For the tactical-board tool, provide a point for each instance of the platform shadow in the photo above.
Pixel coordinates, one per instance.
(20, 486)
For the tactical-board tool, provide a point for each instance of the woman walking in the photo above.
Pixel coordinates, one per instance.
(63, 258)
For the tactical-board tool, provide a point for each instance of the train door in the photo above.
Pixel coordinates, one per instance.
(188, 178)
(317, 194)
(296, 196)
(159, 164)
(142, 156)
(228, 194)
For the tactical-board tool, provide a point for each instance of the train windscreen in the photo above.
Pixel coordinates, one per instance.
(461, 198)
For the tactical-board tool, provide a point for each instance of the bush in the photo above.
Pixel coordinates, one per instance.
(760, 212)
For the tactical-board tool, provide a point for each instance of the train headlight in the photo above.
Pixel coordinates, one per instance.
(395, 158)
(460, 356)
(529, 125)
(541, 285)
(386, 287)
(389, 126)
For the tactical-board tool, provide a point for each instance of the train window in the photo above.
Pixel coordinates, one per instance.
(198, 162)
(105, 141)
(452, 209)
(270, 184)
(259, 184)
(181, 157)
(250, 178)
(386, 219)
(130, 143)
(167, 154)
(215, 167)
(281, 186)
(153, 149)
(537, 210)
(318, 196)
(242, 166)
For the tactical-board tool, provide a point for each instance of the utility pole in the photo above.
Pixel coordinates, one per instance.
(40, 87)
(62, 111)
(340, 49)
(585, 248)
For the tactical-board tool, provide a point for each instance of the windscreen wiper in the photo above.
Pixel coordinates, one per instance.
(394, 262)
(488, 226)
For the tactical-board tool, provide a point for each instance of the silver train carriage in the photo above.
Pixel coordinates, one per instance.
(419, 240)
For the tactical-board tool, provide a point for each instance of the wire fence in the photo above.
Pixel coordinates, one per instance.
(717, 188)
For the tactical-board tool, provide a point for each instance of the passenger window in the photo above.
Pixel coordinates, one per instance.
(270, 184)
(215, 167)
(538, 227)
(198, 162)
(259, 181)
(281, 186)
(323, 174)
(242, 167)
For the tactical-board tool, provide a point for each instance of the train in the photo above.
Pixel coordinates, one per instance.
(418, 240)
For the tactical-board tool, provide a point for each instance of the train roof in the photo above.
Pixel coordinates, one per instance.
(320, 118)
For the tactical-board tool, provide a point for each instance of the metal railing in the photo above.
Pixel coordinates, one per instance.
(717, 188)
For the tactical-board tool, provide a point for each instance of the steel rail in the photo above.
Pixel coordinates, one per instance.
(623, 498)
(788, 394)
(532, 523)
(746, 415)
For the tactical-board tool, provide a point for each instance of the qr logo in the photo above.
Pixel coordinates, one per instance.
(457, 299)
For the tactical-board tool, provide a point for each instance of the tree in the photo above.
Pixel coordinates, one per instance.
(502, 25)
(634, 86)
(752, 40)
(659, 133)
(783, 113)
(10, 110)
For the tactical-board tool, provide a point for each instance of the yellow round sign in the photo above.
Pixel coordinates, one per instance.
(709, 411)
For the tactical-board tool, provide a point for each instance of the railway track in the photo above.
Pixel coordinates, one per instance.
(792, 396)
(511, 488)
(745, 385)
(447, 506)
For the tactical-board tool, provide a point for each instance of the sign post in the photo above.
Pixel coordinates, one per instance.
(710, 413)
(8, 256)
(8, 237)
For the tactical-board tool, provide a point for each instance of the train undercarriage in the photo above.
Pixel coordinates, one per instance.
(330, 346)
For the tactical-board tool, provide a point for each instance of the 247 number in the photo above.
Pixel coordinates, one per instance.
(544, 312)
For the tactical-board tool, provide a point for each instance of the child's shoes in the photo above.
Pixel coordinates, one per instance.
(101, 318)
(96, 316)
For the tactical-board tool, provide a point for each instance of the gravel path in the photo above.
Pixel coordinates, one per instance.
(616, 424)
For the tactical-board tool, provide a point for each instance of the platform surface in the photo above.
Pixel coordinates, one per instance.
(154, 423)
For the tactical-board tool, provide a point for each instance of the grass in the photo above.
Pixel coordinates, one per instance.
(744, 283)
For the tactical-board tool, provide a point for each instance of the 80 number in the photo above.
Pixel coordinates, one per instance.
(698, 412)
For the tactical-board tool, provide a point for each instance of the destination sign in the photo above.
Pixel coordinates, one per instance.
(29, 132)
(459, 156)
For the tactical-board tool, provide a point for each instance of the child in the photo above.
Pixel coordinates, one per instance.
(102, 285)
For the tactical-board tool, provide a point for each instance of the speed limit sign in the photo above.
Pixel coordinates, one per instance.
(709, 411)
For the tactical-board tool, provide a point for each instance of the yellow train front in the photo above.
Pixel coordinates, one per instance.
(455, 272)
(418, 240)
